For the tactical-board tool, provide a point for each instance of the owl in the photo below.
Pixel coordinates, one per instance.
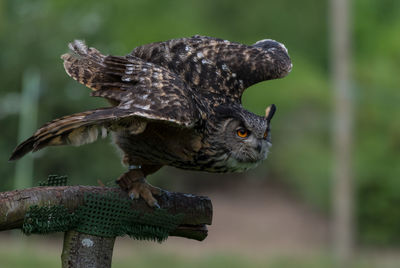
(174, 103)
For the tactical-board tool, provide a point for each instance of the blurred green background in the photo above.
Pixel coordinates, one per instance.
(33, 35)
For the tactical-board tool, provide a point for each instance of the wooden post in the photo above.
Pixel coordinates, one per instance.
(82, 250)
(343, 222)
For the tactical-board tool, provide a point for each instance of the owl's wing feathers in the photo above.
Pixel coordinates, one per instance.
(141, 91)
(79, 128)
(219, 66)
(142, 88)
(65, 130)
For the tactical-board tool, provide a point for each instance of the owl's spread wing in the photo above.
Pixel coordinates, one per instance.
(219, 66)
(80, 128)
(140, 92)
(136, 87)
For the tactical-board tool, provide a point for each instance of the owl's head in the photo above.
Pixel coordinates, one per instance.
(246, 137)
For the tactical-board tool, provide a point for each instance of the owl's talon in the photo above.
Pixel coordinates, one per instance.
(147, 195)
(133, 194)
(137, 186)
(143, 189)
(155, 190)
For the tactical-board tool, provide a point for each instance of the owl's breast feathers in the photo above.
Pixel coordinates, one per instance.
(177, 147)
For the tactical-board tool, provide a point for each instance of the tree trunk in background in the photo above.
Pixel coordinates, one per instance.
(27, 125)
(343, 222)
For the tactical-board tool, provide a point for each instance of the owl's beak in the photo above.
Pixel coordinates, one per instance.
(269, 112)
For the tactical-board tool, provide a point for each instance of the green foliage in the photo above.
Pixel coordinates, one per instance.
(377, 130)
(35, 34)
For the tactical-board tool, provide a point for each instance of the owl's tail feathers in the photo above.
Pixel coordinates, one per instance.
(72, 129)
(85, 65)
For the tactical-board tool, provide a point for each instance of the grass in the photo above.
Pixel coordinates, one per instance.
(29, 258)
(32, 257)
(37, 251)
(230, 260)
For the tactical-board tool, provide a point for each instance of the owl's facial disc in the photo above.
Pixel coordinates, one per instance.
(249, 142)
(243, 135)
(251, 147)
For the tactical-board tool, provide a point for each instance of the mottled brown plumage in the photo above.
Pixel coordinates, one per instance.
(174, 103)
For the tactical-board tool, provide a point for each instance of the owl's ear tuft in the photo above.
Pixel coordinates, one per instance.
(269, 112)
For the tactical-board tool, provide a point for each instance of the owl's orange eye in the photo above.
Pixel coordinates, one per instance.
(243, 133)
(265, 134)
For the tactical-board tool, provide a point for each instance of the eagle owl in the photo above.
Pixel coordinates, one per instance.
(175, 103)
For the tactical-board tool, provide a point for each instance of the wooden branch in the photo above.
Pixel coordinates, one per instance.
(15, 204)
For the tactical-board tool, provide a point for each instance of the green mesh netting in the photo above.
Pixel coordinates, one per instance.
(43, 220)
(156, 225)
(106, 215)
(54, 180)
(103, 215)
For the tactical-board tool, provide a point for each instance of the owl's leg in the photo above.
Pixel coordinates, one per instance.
(135, 183)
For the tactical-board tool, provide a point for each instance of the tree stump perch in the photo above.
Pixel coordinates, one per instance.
(86, 250)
